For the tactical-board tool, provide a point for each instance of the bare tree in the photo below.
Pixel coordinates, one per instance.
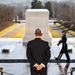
(6, 16)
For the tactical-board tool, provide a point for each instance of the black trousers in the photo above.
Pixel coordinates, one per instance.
(34, 71)
(66, 53)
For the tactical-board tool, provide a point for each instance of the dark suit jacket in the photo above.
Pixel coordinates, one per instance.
(38, 51)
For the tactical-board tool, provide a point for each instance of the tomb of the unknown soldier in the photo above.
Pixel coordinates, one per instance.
(37, 18)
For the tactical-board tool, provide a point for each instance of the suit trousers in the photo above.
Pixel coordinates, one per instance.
(34, 71)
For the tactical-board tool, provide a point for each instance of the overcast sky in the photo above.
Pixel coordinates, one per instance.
(25, 0)
(19, 1)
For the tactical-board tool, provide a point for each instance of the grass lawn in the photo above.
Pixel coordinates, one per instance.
(20, 33)
(72, 32)
(54, 33)
(62, 27)
(8, 29)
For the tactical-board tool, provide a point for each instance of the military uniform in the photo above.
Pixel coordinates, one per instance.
(64, 48)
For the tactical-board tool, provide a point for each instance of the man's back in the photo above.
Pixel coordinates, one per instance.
(38, 54)
(38, 48)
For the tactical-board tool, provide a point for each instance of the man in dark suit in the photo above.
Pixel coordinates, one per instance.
(38, 54)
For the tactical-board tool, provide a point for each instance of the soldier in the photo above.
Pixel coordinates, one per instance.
(64, 47)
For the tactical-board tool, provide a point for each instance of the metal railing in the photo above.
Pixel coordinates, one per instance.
(1, 71)
(26, 61)
(72, 70)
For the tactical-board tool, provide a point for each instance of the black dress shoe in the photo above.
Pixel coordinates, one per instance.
(67, 60)
(56, 58)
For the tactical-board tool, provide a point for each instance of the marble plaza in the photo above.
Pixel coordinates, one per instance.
(19, 52)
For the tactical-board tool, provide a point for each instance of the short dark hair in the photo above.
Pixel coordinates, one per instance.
(64, 31)
(38, 32)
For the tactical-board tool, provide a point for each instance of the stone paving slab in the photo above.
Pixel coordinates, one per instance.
(10, 40)
(20, 53)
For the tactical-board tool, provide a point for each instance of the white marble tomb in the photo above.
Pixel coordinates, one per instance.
(37, 18)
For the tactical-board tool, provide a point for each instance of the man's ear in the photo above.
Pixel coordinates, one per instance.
(41, 34)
